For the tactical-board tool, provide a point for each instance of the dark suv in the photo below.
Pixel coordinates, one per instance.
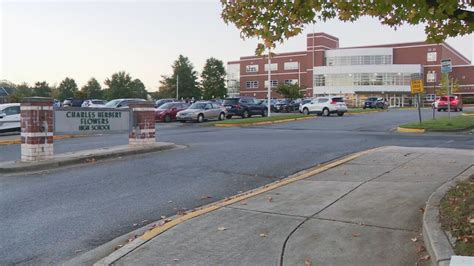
(244, 107)
(375, 102)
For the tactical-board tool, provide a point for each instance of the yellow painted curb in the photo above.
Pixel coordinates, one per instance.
(264, 122)
(18, 141)
(243, 196)
(467, 114)
(410, 130)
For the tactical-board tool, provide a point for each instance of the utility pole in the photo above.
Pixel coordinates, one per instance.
(269, 90)
(177, 86)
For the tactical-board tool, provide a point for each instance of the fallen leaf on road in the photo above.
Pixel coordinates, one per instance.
(414, 239)
(135, 225)
(221, 228)
(263, 235)
(472, 219)
(175, 260)
(78, 250)
(206, 197)
(144, 221)
(422, 210)
(421, 249)
(308, 263)
(426, 257)
(270, 199)
(163, 217)
(170, 201)
(355, 234)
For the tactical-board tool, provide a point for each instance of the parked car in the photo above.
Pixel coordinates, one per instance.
(455, 103)
(303, 102)
(286, 106)
(123, 103)
(67, 102)
(94, 103)
(375, 102)
(325, 106)
(160, 102)
(202, 111)
(9, 117)
(167, 112)
(244, 107)
(272, 103)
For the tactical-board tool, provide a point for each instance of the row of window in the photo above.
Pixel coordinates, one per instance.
(254, 84)
(358, 60)
(363, 79)
(273, 67)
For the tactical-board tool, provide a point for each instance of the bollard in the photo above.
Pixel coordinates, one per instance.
(37, 127)
(142, 124)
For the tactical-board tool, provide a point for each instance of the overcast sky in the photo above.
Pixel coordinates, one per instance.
(51, 40)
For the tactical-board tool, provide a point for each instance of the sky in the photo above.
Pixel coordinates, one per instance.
(50, 40)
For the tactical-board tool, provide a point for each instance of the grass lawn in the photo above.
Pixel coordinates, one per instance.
(457, 123)
(457, 216)
(361, 110)
(258, 119)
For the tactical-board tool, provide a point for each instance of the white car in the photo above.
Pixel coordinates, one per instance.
(9, 117)
(325, 106)
(94, 103)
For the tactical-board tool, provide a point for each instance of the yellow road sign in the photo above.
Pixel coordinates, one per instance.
(416, 86)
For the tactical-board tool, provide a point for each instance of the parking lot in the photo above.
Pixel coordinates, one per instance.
(88, 205)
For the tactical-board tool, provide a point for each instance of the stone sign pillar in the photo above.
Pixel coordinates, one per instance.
(37, 127)
(142, 124)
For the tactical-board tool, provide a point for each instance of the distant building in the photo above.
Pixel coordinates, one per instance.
(353, 72)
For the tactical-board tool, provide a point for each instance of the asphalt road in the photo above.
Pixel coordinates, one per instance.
(50, 217)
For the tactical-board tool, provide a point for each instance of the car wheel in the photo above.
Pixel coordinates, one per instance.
(221, 116)
(439, 110)
(245, 114)
(340, 114)
(265, 113)
(326, 112)
(306, 111)
(228, 117)
(460, 109)
(200, 118)
(167, 118)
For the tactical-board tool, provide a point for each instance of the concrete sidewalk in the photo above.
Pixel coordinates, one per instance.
(367, 211)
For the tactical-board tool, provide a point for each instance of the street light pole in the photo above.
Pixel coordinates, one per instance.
(269, 90)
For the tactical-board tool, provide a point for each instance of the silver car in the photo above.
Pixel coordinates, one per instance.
(201, 111)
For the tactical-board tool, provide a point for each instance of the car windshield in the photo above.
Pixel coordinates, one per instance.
(166, 106)
(284, 101)
(113, 103)
(98, 102)
(338, 100)
(197, 106)
(372, 99)
(231, 101)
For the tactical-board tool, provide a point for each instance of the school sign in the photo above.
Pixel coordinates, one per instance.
(91, 120)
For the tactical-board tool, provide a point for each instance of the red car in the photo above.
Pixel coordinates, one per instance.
(167, 112)
(455, 103)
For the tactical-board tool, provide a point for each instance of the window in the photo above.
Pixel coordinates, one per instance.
(431, 76)
(291, 81)
(14, 110)
(251, 68)
(319, 80)
(430, 97)
(323, 100)
(274, 83)
(431, 56)
(252, 84)
(273, 67)
(291, 65)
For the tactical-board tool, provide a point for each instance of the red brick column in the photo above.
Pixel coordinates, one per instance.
(37, 127)
(142, 124)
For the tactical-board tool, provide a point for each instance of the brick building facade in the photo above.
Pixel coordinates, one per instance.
(353, 72)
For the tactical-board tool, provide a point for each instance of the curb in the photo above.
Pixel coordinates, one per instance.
(13, 167)
(410, 130)
(464, 114)
(437, 242)
(264, 122)
(161, 226)
(59, 137)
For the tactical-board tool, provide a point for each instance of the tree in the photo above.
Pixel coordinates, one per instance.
(92, 89)
(188, 85)
(121, 85)
(445, 83)
(290, 91)
(41, 89)
(67, 89)
(276, 21)
(213, 79)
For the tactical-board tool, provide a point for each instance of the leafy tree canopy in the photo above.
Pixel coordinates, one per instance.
(213, 79)
(121, 85)
(42, 89)
(275, 21)
(290, 91)
(188, 85)
(66, 89)
(92, 89)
